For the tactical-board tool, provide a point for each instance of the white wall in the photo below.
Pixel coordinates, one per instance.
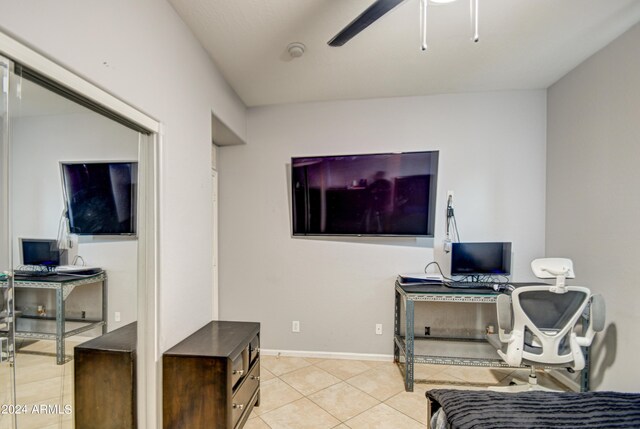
(492, 155)
(593, 202)
(142, 52)
(39, 143)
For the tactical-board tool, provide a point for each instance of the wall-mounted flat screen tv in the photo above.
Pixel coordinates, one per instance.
(387, 194)
(100, 197)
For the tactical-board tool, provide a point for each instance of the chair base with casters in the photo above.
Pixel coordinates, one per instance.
(520, 386)
(517, 385)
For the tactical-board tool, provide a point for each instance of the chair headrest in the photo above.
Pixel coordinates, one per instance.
(551, 268)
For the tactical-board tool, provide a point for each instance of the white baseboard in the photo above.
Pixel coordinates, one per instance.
(327, 355)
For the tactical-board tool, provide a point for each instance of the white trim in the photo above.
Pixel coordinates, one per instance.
(147, 362)
(36, 61)
(327, 355)
(214, 241)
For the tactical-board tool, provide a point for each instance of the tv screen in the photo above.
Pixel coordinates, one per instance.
(100, 197)
(390, 194)
(40, 252)
(481, 259)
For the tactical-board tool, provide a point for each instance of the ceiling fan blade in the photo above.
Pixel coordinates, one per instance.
(365, 19)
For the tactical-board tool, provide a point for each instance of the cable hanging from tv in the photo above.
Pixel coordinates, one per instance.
(452, 232)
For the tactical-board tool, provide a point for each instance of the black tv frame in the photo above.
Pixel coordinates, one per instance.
(432, 197)
(134, 202)
(505, 261)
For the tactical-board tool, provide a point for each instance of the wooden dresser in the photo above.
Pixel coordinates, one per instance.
(105, 380)
(212, 378)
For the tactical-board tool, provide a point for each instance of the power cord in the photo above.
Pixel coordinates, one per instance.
(497, 284)
(439, 269)
(451, 226)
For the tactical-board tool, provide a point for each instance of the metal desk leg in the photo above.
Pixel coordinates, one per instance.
(586, 351)
(409, 355)
(105, 313)
(396, 328)
(60, 325)
(584, 374)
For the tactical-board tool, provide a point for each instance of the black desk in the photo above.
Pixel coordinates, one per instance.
(458, 351)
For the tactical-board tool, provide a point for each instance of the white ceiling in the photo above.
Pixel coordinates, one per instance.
(524, 44)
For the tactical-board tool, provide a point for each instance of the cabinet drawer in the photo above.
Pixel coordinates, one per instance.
(242, 399)
(254, 349)
(238, 369)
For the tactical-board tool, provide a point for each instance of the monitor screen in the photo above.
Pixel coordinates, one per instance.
(40, 252)
(481, 259)
(365, 195)
(100, 197)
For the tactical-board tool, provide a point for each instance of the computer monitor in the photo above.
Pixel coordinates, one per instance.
(481, 259)
(43, 252)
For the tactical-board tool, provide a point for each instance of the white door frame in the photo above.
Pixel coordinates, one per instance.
(214, 241)
(149, 368)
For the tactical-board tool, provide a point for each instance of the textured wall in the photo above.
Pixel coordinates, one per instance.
(492, 155)
(593, 203)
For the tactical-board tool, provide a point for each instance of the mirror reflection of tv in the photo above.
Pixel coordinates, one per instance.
(387, 194)
(100, 197)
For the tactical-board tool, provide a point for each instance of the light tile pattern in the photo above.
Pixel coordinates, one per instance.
(301, 414)
(344, 400)
(347, 394)
(296, 393)
(309, 379)
(43, 387)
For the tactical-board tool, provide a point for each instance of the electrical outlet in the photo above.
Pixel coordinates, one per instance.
(378, 328)
(427, 330)
(295, 326)
(449, 195)
(116, 316)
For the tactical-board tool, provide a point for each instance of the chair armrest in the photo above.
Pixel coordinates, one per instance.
(505, 316)
(597, 317)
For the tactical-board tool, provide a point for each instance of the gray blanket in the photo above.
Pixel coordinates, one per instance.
(477, 409)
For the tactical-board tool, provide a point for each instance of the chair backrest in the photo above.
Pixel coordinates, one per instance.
(544, 320)
(537, 323)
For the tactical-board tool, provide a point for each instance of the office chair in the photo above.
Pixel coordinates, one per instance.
(537, 324)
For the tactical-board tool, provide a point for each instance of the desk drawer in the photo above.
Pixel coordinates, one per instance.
(241, 401)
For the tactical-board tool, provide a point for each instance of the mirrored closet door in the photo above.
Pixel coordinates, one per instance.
(8, 411)
(69, 197)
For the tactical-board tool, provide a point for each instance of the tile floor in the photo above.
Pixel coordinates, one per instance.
(296, 393)
(40, 381)
(303, 393)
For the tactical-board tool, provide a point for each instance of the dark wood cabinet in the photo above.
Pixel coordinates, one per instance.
(105, 381)
(212, 378)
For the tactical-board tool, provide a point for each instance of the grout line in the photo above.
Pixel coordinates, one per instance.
(342, 421)
(441, 369)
